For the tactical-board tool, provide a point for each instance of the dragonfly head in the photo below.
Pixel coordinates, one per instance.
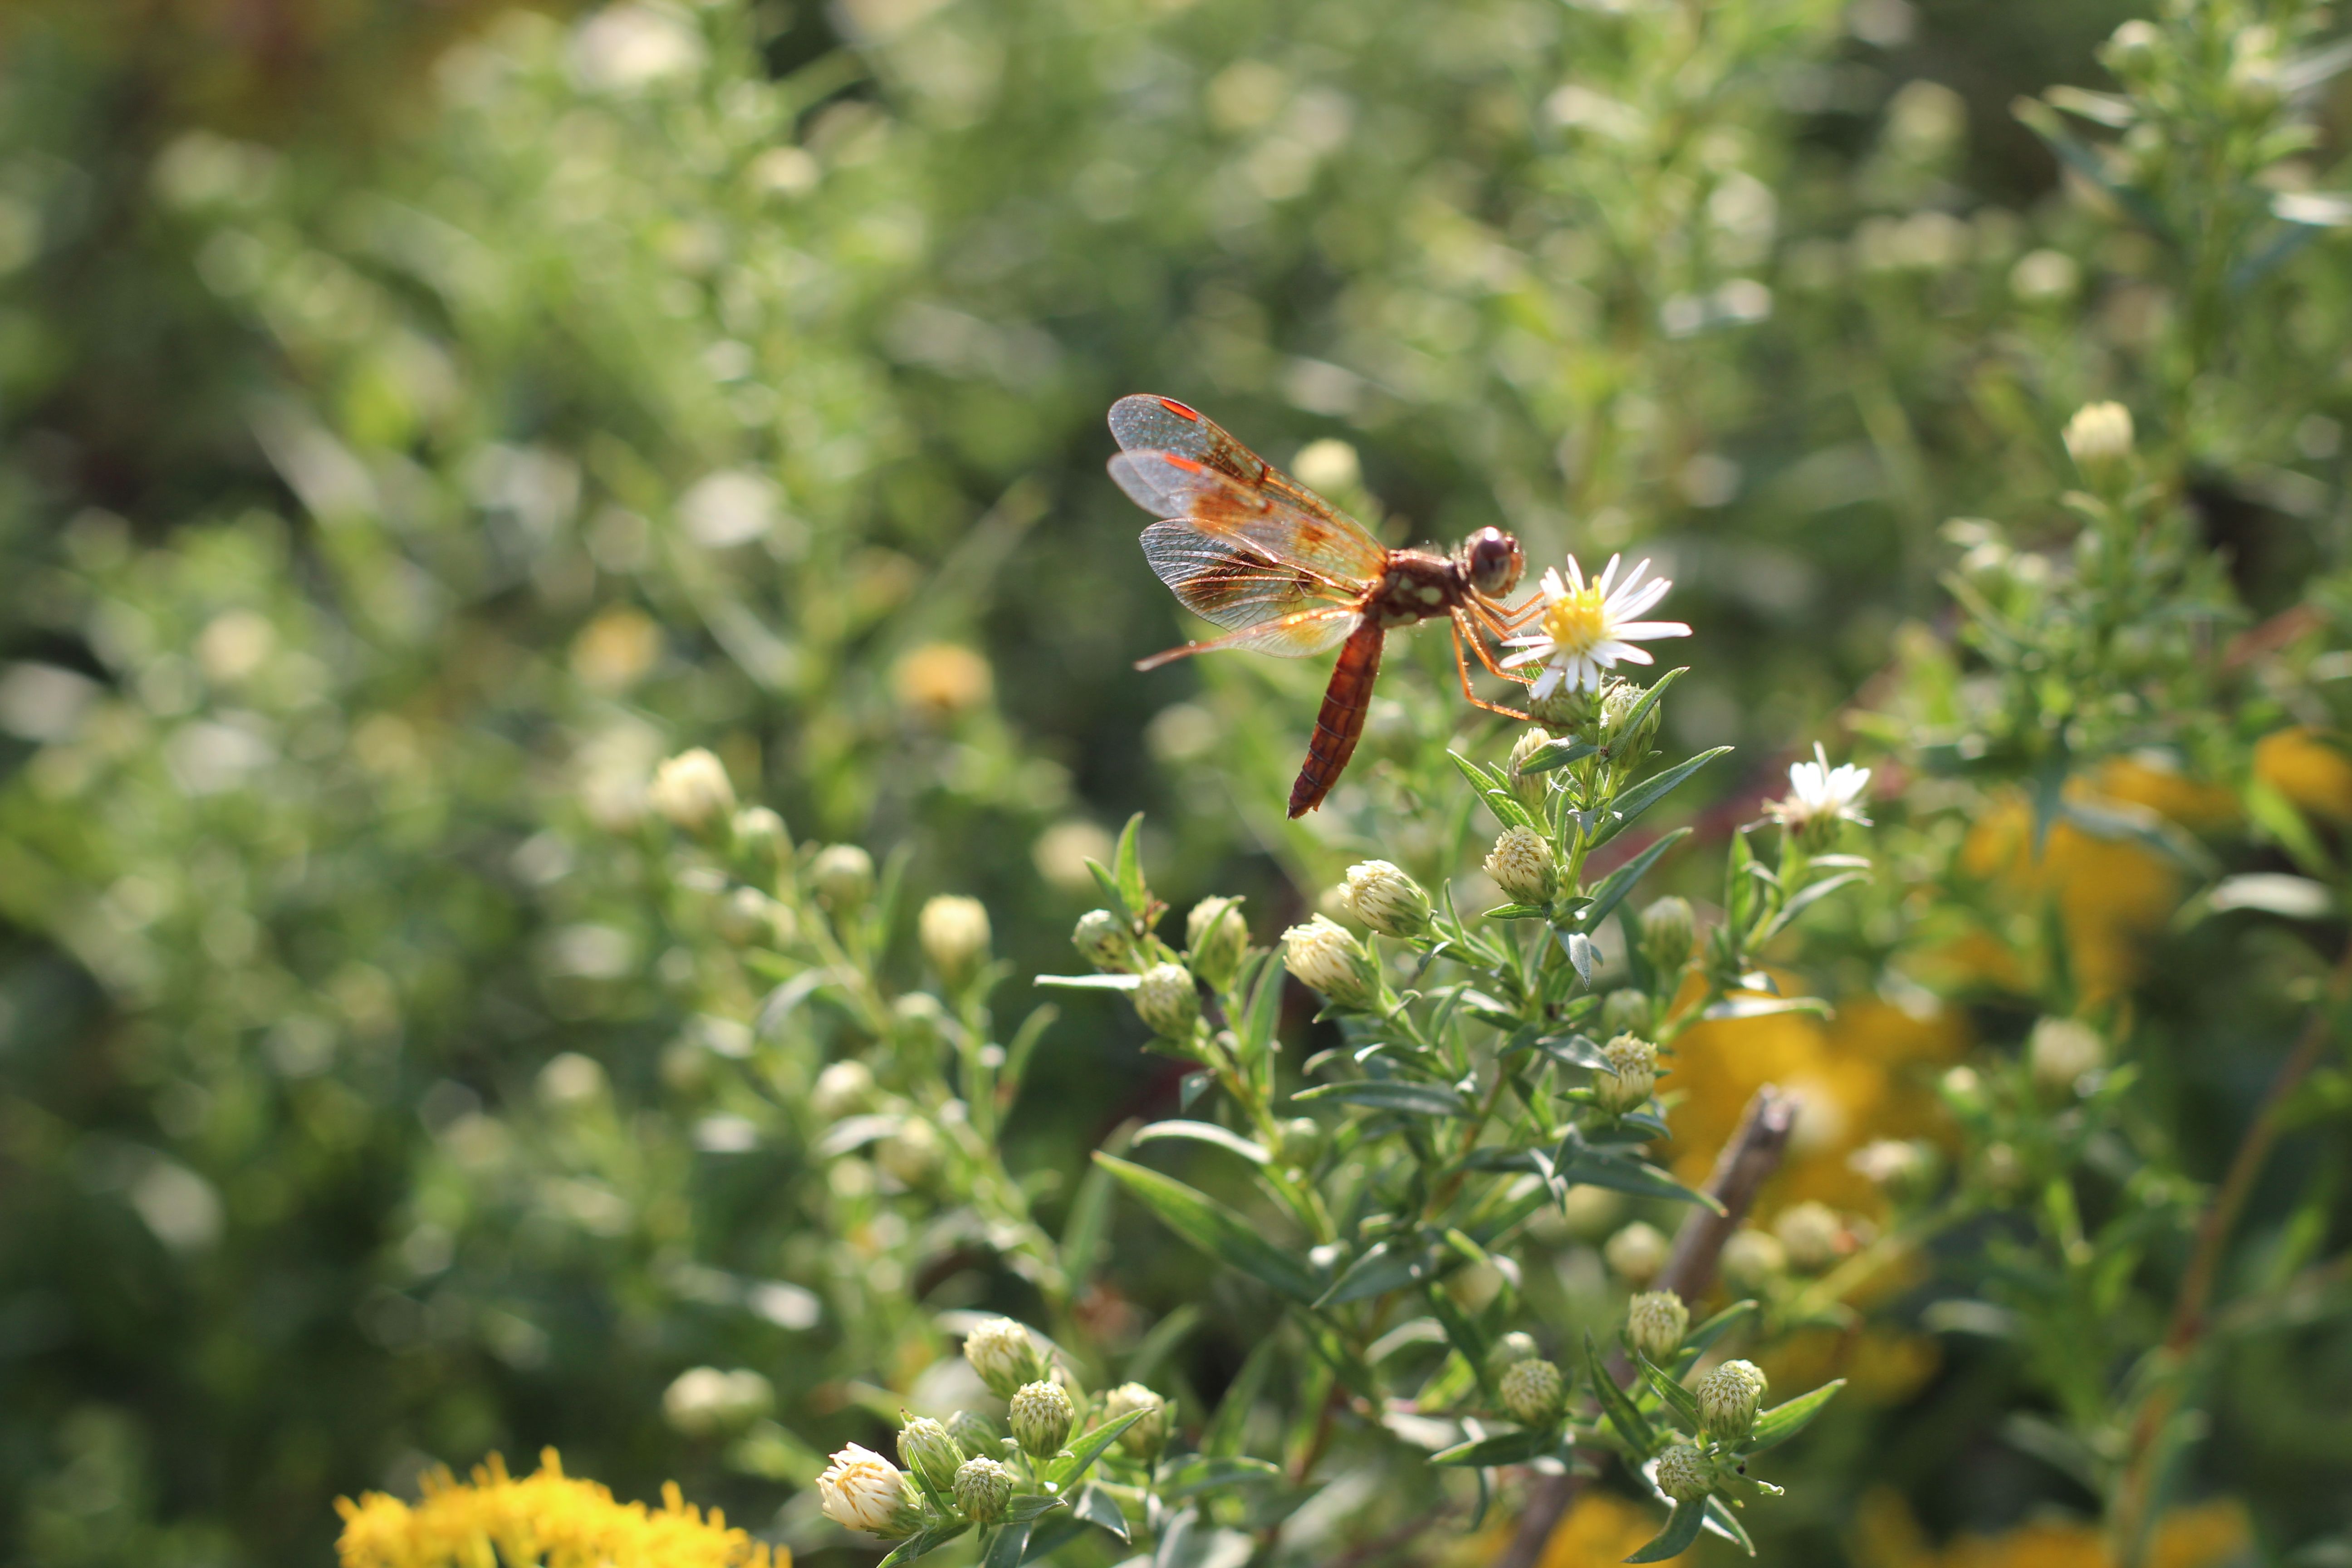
(1490, 559)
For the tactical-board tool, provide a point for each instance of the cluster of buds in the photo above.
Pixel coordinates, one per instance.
(1167, 994)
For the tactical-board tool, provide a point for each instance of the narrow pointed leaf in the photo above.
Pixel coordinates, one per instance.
(1697, 1343)
(1621, 881)
(1502, 1448)
(1215, 1229)
(1628, 807)
(1199, 1473)
(1622, 1413)
(1085, 1450)
(1682, 1529)
(929, 1538)
(1389, 1094)
(1722, 1522)
(1631, 723)
(1557, 755)
(1206, 1132)
(1096, 1506)
(1386, 1266)
(1128, 865)
(1090, 982)
(1008, 1546)
(1229, 1427)
(1680, 1400)
(1783, 1422)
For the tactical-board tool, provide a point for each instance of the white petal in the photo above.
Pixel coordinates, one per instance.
(1545, 683)
(1645, 631)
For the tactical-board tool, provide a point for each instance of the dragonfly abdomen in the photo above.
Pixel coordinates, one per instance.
(1340, 723)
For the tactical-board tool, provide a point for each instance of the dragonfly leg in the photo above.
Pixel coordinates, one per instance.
(1462, 667)
(1468, 625)
(1508, 617)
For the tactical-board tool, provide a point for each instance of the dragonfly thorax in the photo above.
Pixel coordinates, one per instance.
(1418, 585)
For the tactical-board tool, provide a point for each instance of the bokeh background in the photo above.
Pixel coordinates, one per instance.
(415, 421)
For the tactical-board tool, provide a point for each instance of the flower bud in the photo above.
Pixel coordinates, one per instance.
(954, 935)
(843, 1089)
(1752, 1260)
(1216, 939)
(1625, 1011)
(1655, 1322)
(1904, 1169)
(1636, 1252)
(1727, 1400)
(2099, 437)
(1569, 710)
(1148, 1436)
(1812, 1233)
(975, 1434)
(1302, 1142)
(1667, 933)
(761, 838)
(1167, 1001)
(984, 1489)
(1618, 701)
(1532, 1392)
(911, 1154)
(866, 1491)
(1001, 1352)
(2061, 1051)
(691, 790)
(705, 1401)
(1521, 864)
(1386, 900)
(1684, 1473)
(1631, 1075)
(1102, 940)
(1516, 1346)
(925, 1447)
(1326, 958)
(749, 917)
(1041, 1417)
(843, 875)
(1533, 789)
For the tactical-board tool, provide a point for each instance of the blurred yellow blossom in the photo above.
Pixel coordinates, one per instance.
(942, 680)
(544, 1521)
(1601, 1527)
(615, 650)
(2203, 1536)
(2309, 769)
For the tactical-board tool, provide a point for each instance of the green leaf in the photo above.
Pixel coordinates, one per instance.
(1699, 1339)
(1389, 1094)
(1572, 1050)
(1084, 1451)
(1385, 1266)
(1107, 885)
(1557, 755)
(1621, 881)
(1631, 723)
(1091, 981)
(1009, 1545)
(1725, 1523)
(1468, 1342)
(1088, 1223)
(1030, 1506)
(1127, 866)
(1198, 1473)
(1516, 913)
(1680, 1400)
(1749, 1006)
(1622, 1413)
(1783, 1422)
(1207, 1133)
(1228, 1428)
(1215, 1229)
(930, 1537)
(1264, 1013)
(1682, 1529)
(1502, 1448)
(1157, 1346)
(1623, 1173)
(1628, 807)
(1096, 1506)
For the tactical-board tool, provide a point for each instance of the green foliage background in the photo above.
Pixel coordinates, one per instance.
(370, 403)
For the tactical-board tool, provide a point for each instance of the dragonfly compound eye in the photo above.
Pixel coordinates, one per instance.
(1493, 561)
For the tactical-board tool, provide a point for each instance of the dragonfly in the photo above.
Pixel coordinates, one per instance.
(1245, 546)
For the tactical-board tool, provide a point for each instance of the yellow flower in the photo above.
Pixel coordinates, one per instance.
(544, 1521)
(2302, 766)
(2203, 1536)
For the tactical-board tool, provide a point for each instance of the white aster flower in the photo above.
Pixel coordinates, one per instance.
(1586, 628)
(1820, 793)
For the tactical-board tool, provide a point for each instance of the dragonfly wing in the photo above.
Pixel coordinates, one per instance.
(1148, 423)
(1300, 634)
(1339, 553)
(1231, 581)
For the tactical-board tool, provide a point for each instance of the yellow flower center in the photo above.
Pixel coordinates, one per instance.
(1577, 620)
